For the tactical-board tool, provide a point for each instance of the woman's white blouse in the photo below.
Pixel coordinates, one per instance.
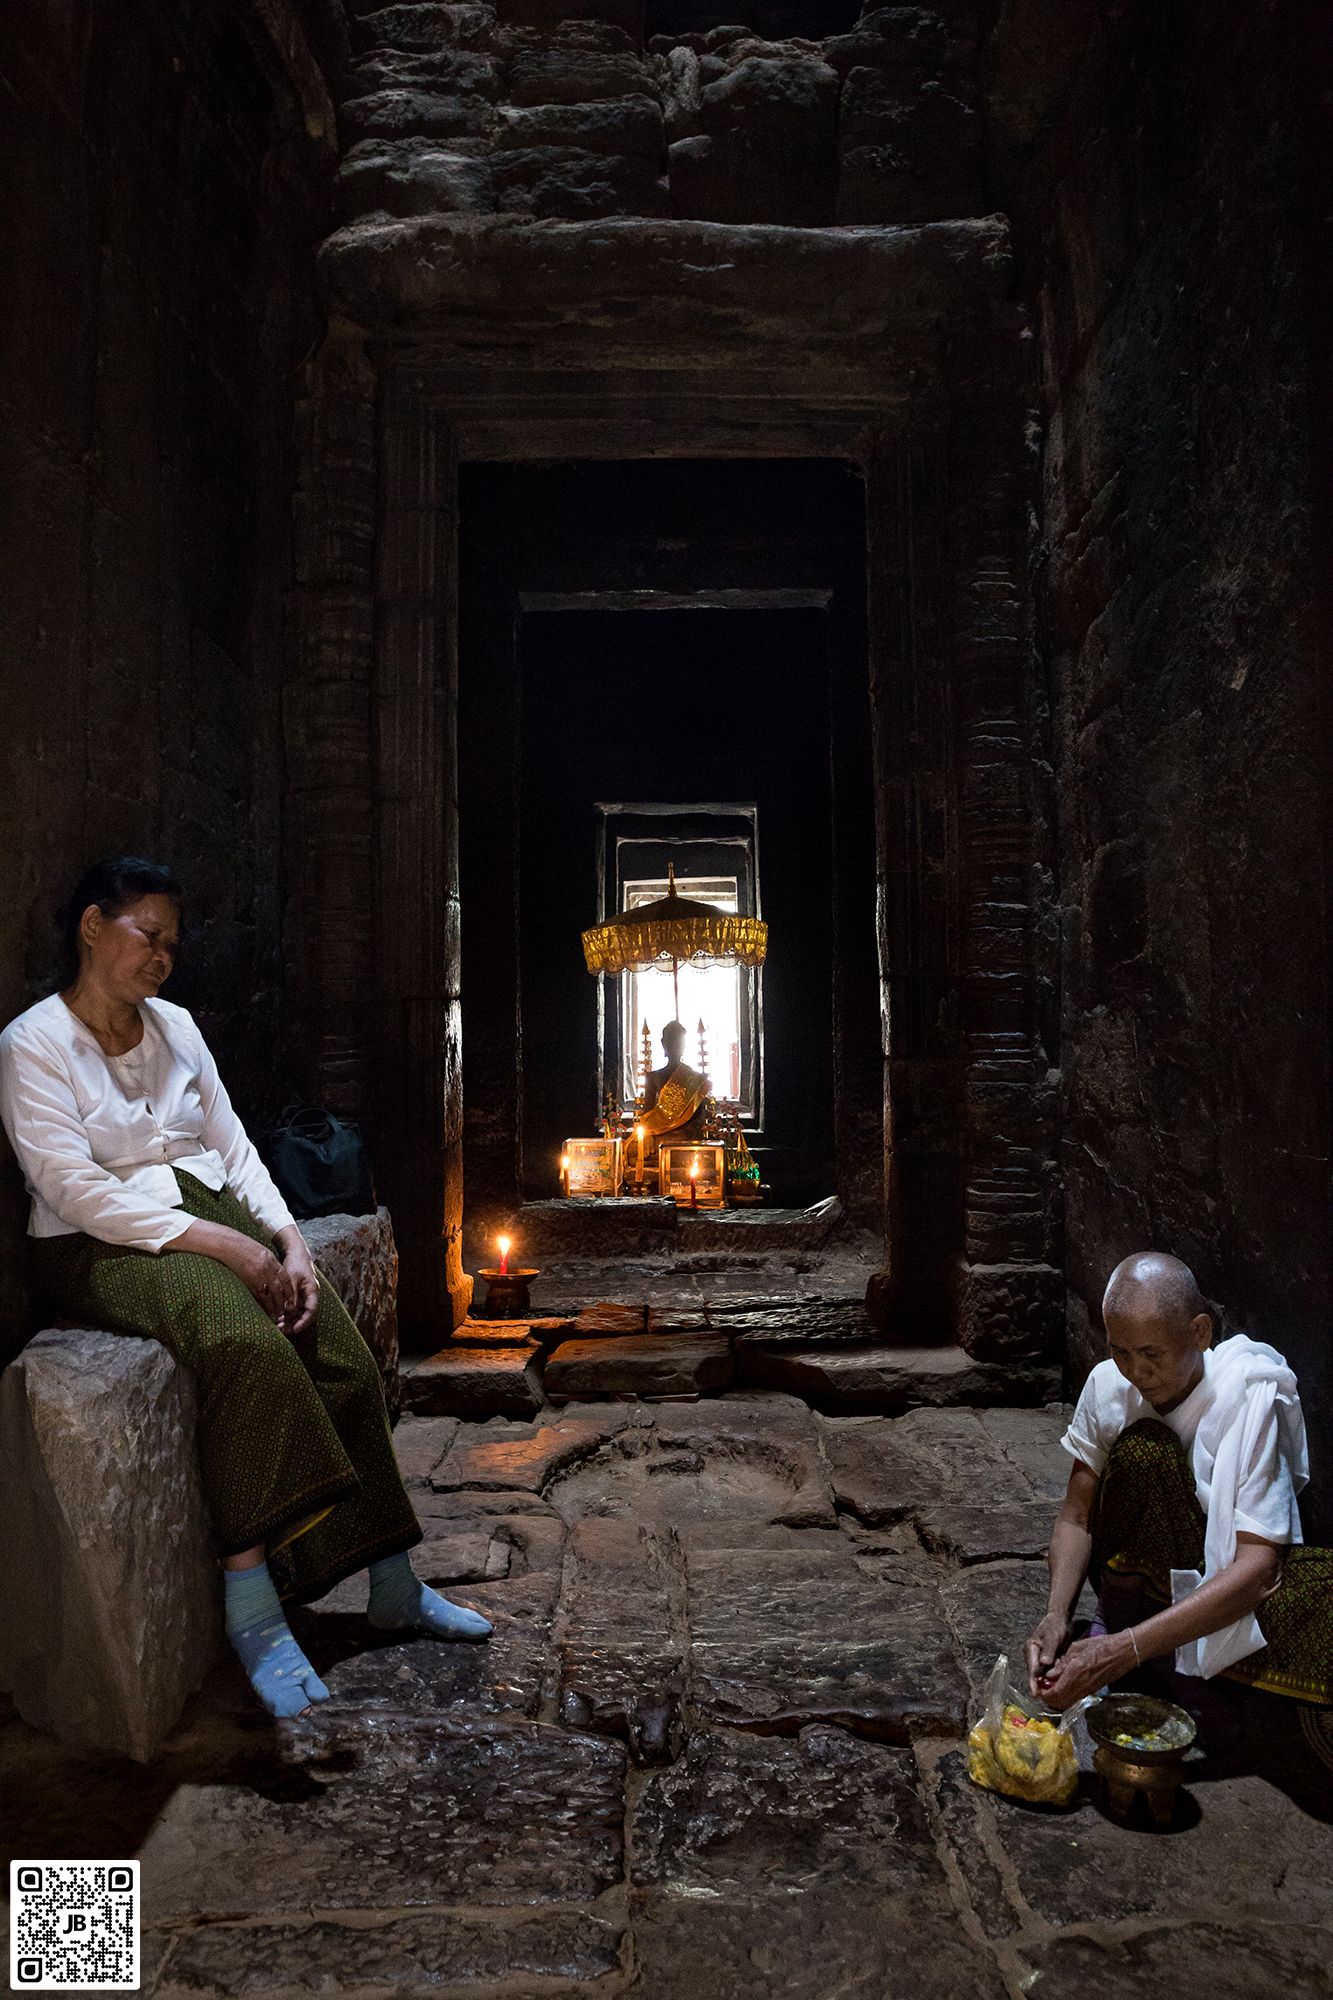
(97, 1135)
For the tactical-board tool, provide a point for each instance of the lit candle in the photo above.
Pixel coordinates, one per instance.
(564, 1173)
(503, 1242)
(694, 1182)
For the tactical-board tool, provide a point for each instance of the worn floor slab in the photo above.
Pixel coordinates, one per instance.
(378, 1812)
(885, 1469)
(784, 1637)
(726, 1459)
(622, 1646)
(800, 1868)
(445, 1953)
(522, 1458)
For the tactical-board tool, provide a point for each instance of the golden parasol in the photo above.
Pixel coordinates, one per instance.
(675, 928)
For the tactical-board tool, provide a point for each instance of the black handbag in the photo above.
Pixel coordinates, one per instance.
(320, 1164)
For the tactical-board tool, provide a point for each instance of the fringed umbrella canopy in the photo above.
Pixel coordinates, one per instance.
(674, 930)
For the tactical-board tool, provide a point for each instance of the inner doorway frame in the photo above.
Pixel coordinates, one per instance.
(965, 885)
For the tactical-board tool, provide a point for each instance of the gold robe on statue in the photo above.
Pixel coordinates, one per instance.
(676, 1107)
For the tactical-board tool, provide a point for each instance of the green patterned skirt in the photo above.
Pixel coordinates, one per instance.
(1147, 1521)
(295, 1447)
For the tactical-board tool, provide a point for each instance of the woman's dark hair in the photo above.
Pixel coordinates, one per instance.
(114, 884)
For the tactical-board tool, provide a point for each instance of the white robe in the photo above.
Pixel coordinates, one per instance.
(1254, 1391)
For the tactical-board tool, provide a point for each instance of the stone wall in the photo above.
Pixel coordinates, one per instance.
(471, 110)
(1155, 178)
(165, 171)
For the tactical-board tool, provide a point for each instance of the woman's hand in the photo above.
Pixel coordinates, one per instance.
(1087, 1665)
(262, 1274)
(1049, 1639)
(286, 1285)
(299, 1266)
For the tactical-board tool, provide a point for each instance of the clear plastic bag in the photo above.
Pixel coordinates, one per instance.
(1019, 1749)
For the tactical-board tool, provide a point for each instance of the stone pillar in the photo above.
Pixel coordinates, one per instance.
(417, 1117)
(327, 726)
(489, 779)
(1008, 1287)
(965, 893)
(858, 1059)
(916, 839)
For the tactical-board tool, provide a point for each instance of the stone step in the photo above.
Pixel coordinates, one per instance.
(477, 1381)
(546, 1332)
(817, 1350)
(646, 1364)
(794, 1322)
(625, 1227)
(890, 1379)
(755, 1232)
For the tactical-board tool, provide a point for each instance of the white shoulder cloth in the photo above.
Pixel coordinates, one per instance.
(1249, 1380)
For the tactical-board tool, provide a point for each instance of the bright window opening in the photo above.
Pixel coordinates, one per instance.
(713, 995)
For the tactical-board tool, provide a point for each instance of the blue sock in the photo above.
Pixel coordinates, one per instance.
(279, 1671)
(398, 1598)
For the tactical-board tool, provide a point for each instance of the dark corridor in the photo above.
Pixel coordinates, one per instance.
(677, 707)
(681, 633)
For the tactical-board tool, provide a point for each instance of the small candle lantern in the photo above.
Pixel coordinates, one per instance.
(507, 1290)
(692, 1175)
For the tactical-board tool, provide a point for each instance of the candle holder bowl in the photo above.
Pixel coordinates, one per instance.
(507, 1293)
(1142, 1745)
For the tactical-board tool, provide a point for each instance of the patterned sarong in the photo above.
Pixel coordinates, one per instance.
(1147, 1521)
(295, 1448)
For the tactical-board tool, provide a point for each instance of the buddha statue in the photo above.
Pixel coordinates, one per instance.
(675, 1098)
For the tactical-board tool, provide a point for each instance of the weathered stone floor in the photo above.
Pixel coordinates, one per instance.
(712, 1750)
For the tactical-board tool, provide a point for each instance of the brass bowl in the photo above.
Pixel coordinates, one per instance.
(1159, 1732)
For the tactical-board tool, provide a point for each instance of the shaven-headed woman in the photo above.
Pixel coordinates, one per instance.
(1188, 1459)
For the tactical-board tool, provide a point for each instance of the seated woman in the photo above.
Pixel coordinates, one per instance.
(153, 1214)
(1182, 1507)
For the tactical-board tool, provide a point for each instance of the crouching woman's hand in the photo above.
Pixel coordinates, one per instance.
(1047, 1642)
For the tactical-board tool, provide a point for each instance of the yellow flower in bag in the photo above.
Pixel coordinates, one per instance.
(1024, 1755)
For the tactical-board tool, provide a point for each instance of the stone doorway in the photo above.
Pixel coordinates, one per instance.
(953, 1106)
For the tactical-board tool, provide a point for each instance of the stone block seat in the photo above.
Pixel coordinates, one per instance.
(110, 1608)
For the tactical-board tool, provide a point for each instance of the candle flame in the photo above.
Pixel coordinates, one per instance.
(503, 1244)
(694, 1170)
(564, 1160)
